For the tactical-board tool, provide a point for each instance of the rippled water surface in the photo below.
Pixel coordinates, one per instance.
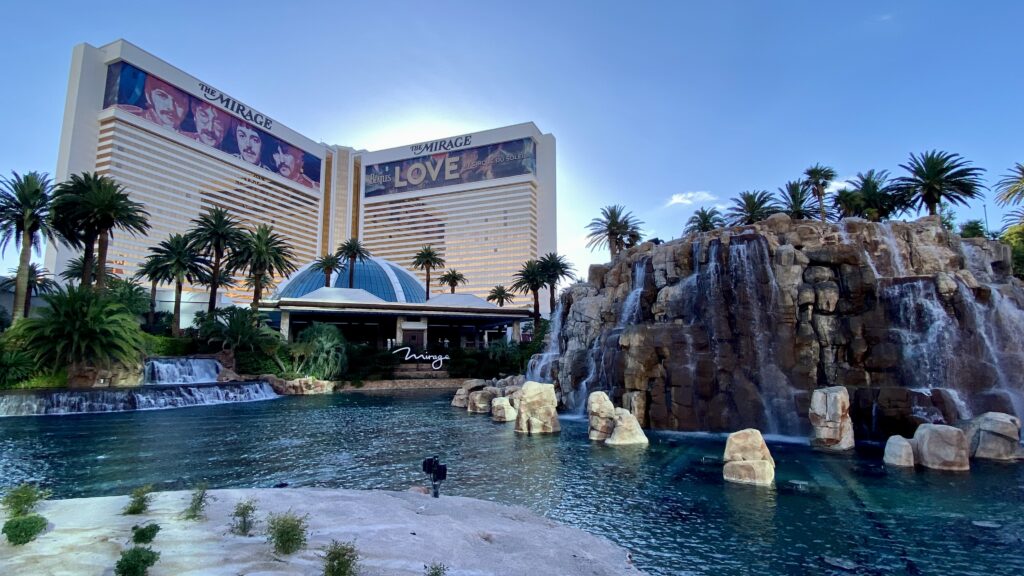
(667, 503)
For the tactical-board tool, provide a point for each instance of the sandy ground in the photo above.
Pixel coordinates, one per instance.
(396, 533)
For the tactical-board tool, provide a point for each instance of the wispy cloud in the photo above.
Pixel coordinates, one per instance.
(690, 198)
(884, 17)
(837, 185)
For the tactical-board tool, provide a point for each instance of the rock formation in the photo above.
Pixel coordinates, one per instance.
(479, 401)
(899, 452)
(538, 409)
(502, 410)
(832, 429)
(461, 398)
(601, 414)
(940, 447)
(627, 431)
(747, 459)
(993, 436)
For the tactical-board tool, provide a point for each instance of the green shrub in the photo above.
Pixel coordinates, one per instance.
(255, 362)
(286, 532)
(57, 379)
(22, 500)
(144, 534)
(243, 519)
(324, 356)
(340, 559)
(15, 367)
(23, 529)
(5, 319)
(140, 498)
(197, 504)
(435, 569)
(168, 346)
(136, 561)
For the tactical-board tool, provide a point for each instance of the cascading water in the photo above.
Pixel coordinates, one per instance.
(161, 371)
(923, 330)
(844, 237)
(899, 268)
(539, 368)
(631, 307)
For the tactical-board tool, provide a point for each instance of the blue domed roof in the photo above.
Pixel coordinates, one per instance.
(385, 280)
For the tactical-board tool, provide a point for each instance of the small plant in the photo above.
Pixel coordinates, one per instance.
(136, 561)
(139, 502)
(144, 534)
(23, 499)
(435, 569)
(23, 529)
(286, 532)
(243, 519)
(197, 505)
(340, 559)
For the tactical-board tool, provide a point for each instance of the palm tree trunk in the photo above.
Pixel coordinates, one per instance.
(820, 193)
(214, 281)
(88, 259)
(551, 287)
(453, 288)
(327, 277)
(536, 309)
(152, 303)
(352, 272)
(176, 326)
(257, 290)
(101, 260)
(21, 280)
(613, 246)
(932, 210)
(427, 287)
(28, 302)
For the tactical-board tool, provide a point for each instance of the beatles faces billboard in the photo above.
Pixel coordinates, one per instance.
(448, 168)
(165, 105)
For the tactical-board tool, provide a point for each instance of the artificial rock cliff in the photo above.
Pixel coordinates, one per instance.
(735, 328)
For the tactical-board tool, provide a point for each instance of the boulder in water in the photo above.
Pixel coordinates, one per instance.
(899, 452)
(601, 414)
(537, 409)
(462, 394)
(941, 447)
(993, 436)
(502, 410)
(747, 459)
(627, 430)
(830, 419)
(479, 402)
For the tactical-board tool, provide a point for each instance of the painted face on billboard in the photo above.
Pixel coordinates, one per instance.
(288, 161)
(250, 144)
(165, 104)
(210, 124)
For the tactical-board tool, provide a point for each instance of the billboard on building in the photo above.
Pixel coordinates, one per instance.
(448, 168)
(238, 133)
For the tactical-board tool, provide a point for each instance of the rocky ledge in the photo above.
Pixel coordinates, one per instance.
(395, 533)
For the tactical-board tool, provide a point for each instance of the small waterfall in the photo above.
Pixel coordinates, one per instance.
(895, 256)
(976, 261)
(844, 236)
(631, 307)
(539, 368)
(924, 331)
(127, 399)
(181, 370)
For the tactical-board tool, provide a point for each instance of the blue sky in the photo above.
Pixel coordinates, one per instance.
(648, 101)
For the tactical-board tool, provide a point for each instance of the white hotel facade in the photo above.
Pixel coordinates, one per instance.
(485, 201)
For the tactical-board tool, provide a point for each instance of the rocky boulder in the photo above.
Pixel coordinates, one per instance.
(830, 419)
(461, 398)
(747, 459)
(537, 409)
(627, 431)
(479, 402)
(899, 452)
(601, 413)
(941, 447)
(993, 436)
(502, 410)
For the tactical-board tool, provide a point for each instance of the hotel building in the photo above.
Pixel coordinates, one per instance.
(485, 201)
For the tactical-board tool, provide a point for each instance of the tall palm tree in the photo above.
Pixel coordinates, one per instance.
(427, 259)
(750, 207)
(68, 225)
(39, 283)
(704, 220)
(177, 258)
(264, 254)
(24, 218)
(795, 200)
(935, 177)
(615, 229)
(451, 278)
(501, 295)
(352, 250)
(556, 268)
(327, 264)
(530, 279)
(1011, 188)
(215, 234)
(153, 271)
(818, 178)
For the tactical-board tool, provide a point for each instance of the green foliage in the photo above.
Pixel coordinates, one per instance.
(136, 561)
(1014, 236)
(139, 501)
(197, 504)
(130, 294)
(5, 319)
(243, 519)
(16, 366)
(948, 217)
(340, 559)
(56, 379)
(23, 529)
(435, 569)
(366, 363)
(287, 532)
(320, 352)
(262, 254)
(750, 207)
(144, 534)
(616, 230)
(256, 362)
(936, 177)
(972, 229)
(168, 346)
(796, 200)
(237, 328)
(704, 220)
(22, 500)
(161, 325)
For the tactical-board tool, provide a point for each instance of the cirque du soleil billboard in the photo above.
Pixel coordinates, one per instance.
(237, 133)
(445, 167)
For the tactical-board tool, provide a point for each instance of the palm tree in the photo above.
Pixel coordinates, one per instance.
(216, 234)
(795, 200)
(153, 271)
(177, 258)
(352, 250)
(614, 229)
(876, 198)
(935, 177)
(556, 268)
(264, 254)
(530, 279)
(427, 259)
(704, 220)
(846, 203)
(500, 295)
(39, 283)
(73, 271)
(96, 206)
(818, 178)
(1011, 188)
(451, 278)
(327, 264)
(750, 207)
(24, 218)
(68, 225)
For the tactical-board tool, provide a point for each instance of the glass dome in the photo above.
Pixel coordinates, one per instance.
(385, 280)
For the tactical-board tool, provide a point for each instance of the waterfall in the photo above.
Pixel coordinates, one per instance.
(126, 399)
(181, 370)
(631, 307)
(539, 368)
(844, 237)
(895, 256)
(924, 331)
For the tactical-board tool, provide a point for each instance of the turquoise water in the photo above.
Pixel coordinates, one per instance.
(666, 503)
